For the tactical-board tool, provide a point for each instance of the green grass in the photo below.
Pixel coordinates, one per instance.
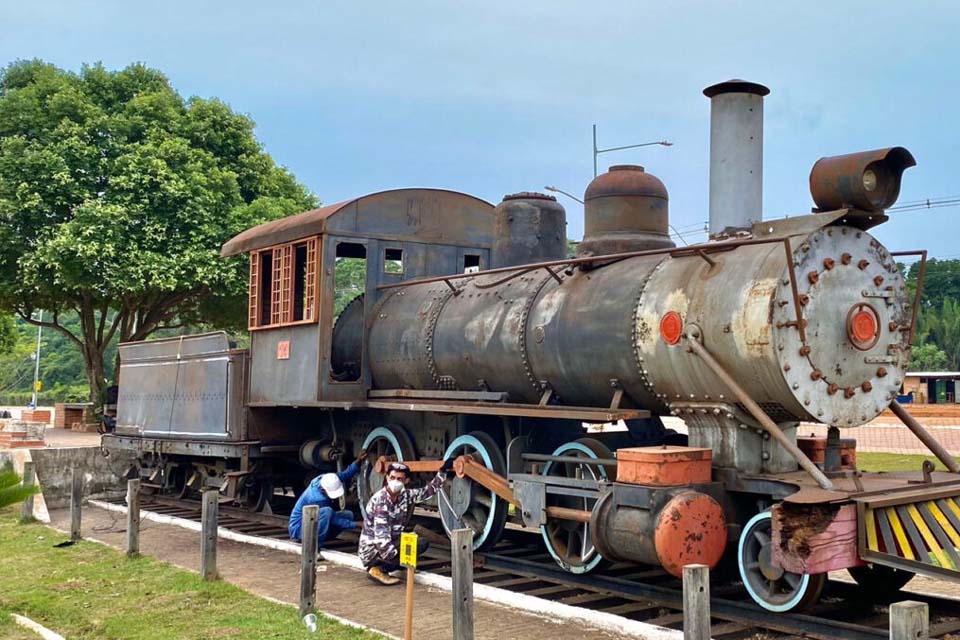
(91, 591)
(9, 630)
(894, 461)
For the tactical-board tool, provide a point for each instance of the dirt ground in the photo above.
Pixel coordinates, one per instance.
(341, 591)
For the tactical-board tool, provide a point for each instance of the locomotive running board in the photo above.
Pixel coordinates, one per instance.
(586, 414)
(916, 529)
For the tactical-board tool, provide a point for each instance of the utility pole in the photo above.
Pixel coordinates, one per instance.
(597, 151)
(36, 364)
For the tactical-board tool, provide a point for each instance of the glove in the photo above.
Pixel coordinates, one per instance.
(447, 465)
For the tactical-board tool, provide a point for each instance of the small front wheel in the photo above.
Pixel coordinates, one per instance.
(771, 586)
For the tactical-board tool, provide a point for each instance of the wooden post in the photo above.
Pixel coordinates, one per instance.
(76, 496)
(408, 610)
(133, 517)
(29, 479)
(208, 541)
(308, 559)
(696, 602)
(461, 544)
(909, 620)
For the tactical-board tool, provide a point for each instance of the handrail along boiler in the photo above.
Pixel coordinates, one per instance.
(475, 335)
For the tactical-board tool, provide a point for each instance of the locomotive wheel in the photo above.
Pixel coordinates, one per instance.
(464, 503)
(390, 441)
(770, 586)
(570, 542)
(880, 581)
(178, 483)
(254, 493)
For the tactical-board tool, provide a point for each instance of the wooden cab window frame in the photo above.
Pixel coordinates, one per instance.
(271, 304)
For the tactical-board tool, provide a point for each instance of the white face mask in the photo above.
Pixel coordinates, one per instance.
(396, 486)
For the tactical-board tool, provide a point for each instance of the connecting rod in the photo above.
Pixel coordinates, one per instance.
(768, 425)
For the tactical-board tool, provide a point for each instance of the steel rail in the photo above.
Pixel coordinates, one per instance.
(801, 624)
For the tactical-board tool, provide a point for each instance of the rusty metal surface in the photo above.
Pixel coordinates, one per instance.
(430, 215)
(346, 355)
(868, 180)
(594, 333)
(836, 379)
(924, 436)
(585, 414)
(736, 85)
(528, 227)
(690, 529)
(918, 292)
(789, 444)
(289, 380)
(708, 248)
(188, 387)
(625, 209)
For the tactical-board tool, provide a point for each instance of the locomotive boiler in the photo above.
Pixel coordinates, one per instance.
(475, 335)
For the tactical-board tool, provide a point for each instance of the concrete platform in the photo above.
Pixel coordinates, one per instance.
(341, 591)
(63, 438)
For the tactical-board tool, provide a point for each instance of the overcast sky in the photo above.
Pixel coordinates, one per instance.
(493, 97)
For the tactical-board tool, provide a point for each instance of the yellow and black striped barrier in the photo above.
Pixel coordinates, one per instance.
(917, 530)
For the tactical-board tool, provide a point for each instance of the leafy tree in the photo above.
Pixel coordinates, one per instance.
(941, 281)
(115, 196)
(927, 357)
(350, 276)
(942, 328)
(8, 333)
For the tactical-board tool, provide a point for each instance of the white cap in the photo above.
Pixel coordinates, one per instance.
(331, 485)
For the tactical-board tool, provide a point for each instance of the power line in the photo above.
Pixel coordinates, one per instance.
(929, 203)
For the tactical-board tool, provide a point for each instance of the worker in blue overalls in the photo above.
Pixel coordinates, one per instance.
(323, 491)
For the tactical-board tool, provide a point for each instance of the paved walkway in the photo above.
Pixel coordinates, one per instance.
(341, 591)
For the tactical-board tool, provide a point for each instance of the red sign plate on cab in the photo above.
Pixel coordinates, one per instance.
(283, 350)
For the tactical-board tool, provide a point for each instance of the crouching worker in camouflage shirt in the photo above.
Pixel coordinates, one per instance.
(388, 512)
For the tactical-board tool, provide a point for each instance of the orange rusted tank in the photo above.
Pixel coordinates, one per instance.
(666, 526)
(691, 529)
(665, 466)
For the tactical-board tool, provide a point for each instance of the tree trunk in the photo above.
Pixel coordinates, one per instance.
(93, 359)
(92, 352)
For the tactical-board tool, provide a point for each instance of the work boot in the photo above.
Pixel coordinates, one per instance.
(377, 575)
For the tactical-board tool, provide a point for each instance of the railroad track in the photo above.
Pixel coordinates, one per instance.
(519, 563)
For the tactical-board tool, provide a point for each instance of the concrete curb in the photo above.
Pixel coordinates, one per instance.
(36, 627)
(160, 519)
(553, 611)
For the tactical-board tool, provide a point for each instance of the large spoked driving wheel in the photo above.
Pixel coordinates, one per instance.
(390, 442)
(465, 504)
(569, 541)
(770, 586)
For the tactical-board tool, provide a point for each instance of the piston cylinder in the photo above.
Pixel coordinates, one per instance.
(666, 527)
(625, 209)
(528, 227)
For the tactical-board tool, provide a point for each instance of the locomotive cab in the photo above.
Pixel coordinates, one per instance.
(315, 279)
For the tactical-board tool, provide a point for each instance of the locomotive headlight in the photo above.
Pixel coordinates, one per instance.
(868, 181)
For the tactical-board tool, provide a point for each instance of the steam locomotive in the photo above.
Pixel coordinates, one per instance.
(475, 335)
